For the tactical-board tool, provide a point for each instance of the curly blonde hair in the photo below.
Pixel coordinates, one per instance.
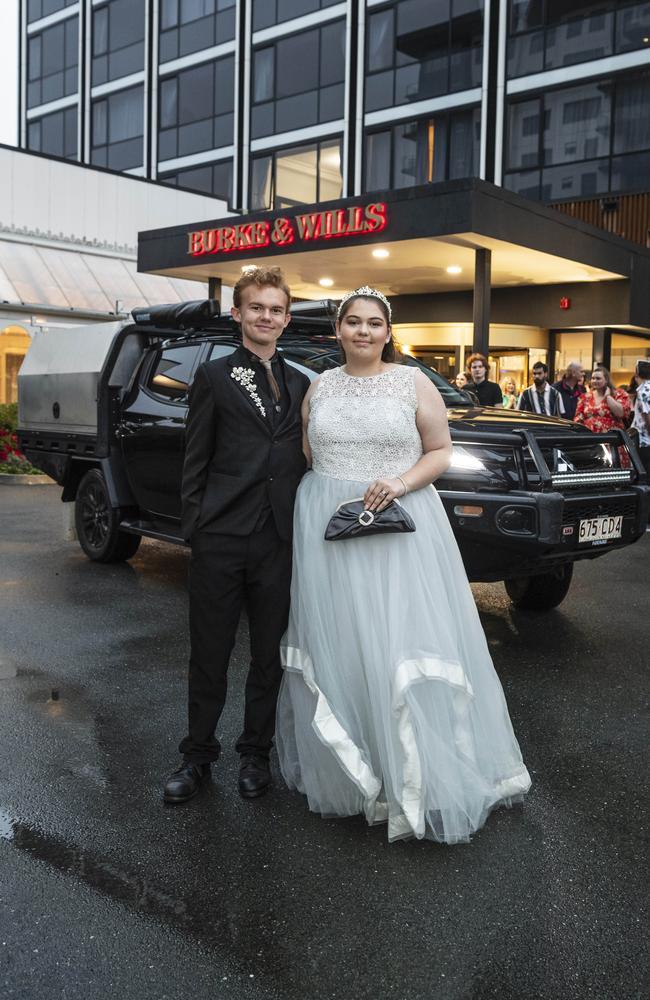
(260, 276)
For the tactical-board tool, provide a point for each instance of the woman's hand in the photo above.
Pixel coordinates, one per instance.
(615, 405)
(380, 493)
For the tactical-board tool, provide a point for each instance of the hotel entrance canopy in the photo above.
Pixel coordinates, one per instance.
(489, 238)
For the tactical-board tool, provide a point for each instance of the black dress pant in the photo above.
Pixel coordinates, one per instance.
(228, 573)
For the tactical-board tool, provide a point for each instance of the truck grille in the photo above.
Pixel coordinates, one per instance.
(576, 511)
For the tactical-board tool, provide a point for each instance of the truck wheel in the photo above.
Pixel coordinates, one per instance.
(543, 592)
(97, 522)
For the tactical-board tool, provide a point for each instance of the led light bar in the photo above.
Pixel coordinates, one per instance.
(581, 478)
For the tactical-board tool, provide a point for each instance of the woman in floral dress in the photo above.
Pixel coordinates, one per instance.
(603, 407)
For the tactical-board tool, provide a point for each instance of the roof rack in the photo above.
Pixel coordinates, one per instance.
(316, 307)
(178, 315)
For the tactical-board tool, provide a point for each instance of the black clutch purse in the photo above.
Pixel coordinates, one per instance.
(350, 520)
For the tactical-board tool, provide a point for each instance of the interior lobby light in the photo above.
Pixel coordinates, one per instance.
(380, 254)
(454, 269)
(326, 282)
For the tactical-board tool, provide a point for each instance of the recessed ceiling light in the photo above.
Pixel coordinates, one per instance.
(646, 40)
(326, 282)
(454, 269)
(381, 254)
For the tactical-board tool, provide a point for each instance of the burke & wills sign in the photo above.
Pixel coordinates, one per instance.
(281, 231)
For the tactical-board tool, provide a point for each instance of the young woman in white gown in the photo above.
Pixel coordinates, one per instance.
(390, 705)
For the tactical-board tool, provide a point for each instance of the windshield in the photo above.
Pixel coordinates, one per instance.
(451, 395)
(320, 357)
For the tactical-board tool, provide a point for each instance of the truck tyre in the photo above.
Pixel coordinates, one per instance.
(97, 522)
(543, 592)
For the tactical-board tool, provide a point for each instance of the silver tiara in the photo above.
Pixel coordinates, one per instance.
(365, 292)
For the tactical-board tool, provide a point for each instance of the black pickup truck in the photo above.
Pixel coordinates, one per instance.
(102, 410)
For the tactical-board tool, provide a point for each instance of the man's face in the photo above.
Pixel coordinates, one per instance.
(477, 370)
(263, 314)
(539, 377)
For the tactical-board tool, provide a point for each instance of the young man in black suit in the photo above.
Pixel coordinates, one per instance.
(243, 463)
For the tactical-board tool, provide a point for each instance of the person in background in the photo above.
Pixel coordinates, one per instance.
(631, 388)
(541, 397)
(603, 407)
(509, 394)
(641, 421)
(571, 388)
(488, 393)
(461, 380)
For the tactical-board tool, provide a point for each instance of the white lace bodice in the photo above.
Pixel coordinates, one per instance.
(364, 428)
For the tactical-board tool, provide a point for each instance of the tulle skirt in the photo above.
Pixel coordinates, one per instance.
(390, 705)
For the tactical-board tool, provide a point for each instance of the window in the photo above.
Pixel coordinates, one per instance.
(299, 176)
(546, 34)
(118, 40)
(55, 134)
(43, 8)
(310, 358)
(196, 109)
(418, 49)
(192, 25)
(215, 178)
(299, 81)
(117, 130)
(52, 63)
(269, 12)
(171, 375)
(423, 151)
(580, 141)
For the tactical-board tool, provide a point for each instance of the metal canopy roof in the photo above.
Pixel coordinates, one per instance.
(427, 230)
(54, 279)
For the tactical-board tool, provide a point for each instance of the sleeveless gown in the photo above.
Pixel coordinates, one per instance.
(389, 704)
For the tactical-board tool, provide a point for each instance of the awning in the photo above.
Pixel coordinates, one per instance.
(57, 279)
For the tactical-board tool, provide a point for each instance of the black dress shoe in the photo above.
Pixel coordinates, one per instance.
(254, 776)
(185, 781)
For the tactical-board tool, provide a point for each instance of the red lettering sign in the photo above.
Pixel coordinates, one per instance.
(357, 220)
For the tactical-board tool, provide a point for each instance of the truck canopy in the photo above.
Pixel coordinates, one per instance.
(60, 378)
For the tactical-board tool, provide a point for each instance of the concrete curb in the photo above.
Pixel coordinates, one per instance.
(9, 479)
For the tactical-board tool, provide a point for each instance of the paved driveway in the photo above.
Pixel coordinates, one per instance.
(105, 893)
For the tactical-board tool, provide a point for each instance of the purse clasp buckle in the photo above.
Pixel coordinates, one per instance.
(366, 517)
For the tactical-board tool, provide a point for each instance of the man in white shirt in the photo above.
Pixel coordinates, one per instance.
(641, 421)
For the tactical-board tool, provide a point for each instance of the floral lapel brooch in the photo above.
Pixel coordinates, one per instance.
(246, 377)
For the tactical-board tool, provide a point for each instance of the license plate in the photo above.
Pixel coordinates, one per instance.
(601, 529)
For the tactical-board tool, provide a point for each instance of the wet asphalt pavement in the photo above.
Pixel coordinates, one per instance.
(104, 892)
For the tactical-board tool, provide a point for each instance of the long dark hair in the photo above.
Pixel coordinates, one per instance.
(388, 353)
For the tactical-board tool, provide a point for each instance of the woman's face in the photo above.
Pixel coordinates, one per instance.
(461, 380)
(363, 331)
(510, 386)
(598, 381)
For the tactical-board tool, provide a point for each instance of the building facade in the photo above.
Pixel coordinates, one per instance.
(270, 104)
(68, 242)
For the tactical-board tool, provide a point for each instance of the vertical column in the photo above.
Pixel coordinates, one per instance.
(214, 288)
(243, 73)
(23, 47)
(602, 346)
(151, 90)
(85, 94)
(350, 149)
(355, 130)
(500, 91)
(481, 302)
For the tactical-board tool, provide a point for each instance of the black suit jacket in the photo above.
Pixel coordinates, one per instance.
(235, 461)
